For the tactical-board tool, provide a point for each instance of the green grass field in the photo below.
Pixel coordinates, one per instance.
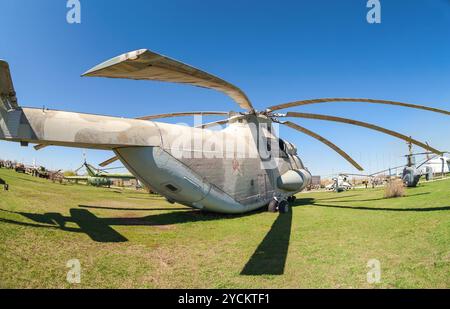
(127, 239)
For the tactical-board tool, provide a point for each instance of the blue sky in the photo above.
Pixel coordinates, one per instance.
(276, 51)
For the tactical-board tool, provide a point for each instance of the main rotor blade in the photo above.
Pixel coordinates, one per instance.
(213, 124)
(76, 171)
(220, 122)
(418, 154)
(325, 141)
(109, 161)
(331, 100)
(385, 170)
(144, 64)
(363, 124)
(180, 114)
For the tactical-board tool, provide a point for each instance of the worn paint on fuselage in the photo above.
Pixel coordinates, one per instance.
(215, 170)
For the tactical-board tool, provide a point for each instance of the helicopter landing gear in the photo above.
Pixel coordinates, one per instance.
(283, 207)
(272, 206)
(291, 199)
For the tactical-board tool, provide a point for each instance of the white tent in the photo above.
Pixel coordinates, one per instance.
(437, 164)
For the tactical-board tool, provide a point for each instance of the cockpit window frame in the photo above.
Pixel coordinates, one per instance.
(282, 147)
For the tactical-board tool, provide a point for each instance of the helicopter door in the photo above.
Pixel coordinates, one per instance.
(262, 185)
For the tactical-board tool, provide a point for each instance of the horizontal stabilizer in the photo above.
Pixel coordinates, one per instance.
(8, 99)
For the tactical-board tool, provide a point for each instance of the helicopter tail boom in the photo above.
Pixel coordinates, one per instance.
(49, 127)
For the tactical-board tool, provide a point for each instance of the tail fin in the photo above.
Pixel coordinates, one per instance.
(90, 170)
(8, 99)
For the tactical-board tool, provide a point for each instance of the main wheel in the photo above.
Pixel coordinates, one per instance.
(272, 206)
(291, 199)
(283, 207)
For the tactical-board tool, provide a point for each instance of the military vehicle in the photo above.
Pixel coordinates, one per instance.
(96, 177)
(412, 172)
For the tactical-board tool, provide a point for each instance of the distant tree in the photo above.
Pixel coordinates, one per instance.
(69, 173)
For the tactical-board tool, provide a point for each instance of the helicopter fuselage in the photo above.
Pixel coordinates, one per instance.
(232, 170)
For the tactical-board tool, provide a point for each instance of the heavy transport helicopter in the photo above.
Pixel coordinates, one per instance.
(240, 168)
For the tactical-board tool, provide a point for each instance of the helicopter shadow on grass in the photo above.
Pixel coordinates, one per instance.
(132, 209)
(319, 203)
(338, 200)
(100, 230)
(87, 223)
(269, 258)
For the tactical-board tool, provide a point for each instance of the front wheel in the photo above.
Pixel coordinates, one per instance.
(283, 207)
(272, 206)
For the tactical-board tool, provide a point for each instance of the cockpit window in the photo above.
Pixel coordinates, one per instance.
(282, 145)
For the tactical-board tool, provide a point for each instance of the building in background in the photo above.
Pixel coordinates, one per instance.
(438, 165)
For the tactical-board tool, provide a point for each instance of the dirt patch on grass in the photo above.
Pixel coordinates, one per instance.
(115, 204)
